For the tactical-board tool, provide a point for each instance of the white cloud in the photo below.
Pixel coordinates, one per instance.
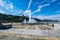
(1, 11)
(53, 1)
(52, 17)
(41, 6)
(6, 5)
(29, 4)
(57, 11)
(50, 1)
(1, 3)
(9, 8)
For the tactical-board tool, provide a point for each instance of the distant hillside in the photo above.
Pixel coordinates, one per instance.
(45, 20)
(12, 18)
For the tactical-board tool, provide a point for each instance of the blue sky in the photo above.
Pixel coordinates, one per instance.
(42, 9)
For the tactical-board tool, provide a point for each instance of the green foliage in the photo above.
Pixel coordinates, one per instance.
(11, 18)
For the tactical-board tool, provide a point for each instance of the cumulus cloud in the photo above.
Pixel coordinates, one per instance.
(52, 17)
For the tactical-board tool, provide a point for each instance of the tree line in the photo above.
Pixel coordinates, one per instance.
(13, 18)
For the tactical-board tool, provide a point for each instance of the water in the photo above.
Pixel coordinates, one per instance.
(49, 22)
(52, 22)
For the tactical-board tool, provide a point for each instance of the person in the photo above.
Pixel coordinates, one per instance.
(52, 25)
(47, 24)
